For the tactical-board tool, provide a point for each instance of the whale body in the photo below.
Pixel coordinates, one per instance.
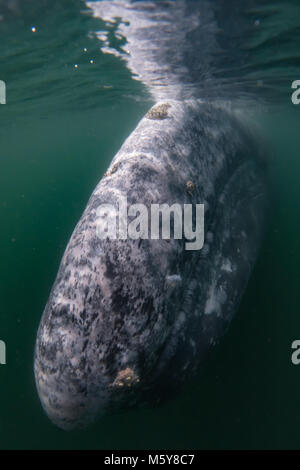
(129, 321)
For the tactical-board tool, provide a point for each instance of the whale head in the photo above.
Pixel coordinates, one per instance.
(100, 330)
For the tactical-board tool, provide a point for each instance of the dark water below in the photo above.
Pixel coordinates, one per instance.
(59, 130)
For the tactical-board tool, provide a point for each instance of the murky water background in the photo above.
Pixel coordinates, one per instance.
(59, 130)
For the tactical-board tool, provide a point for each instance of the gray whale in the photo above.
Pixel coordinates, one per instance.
(129, 321)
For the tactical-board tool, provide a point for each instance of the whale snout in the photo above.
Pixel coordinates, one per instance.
(61, 374)
(76, 378)
(64, 406)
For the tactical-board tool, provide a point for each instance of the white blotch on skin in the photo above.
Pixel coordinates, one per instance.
(173, 279)
(216, 297)
(226, 266)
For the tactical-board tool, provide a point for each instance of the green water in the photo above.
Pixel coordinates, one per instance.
(59, 131)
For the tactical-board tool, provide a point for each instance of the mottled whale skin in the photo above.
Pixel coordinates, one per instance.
(129, 320)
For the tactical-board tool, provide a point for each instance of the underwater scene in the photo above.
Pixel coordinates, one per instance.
(150, 215)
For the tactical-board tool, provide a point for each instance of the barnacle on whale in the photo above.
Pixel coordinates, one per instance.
(159, 111)
(125, 377)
